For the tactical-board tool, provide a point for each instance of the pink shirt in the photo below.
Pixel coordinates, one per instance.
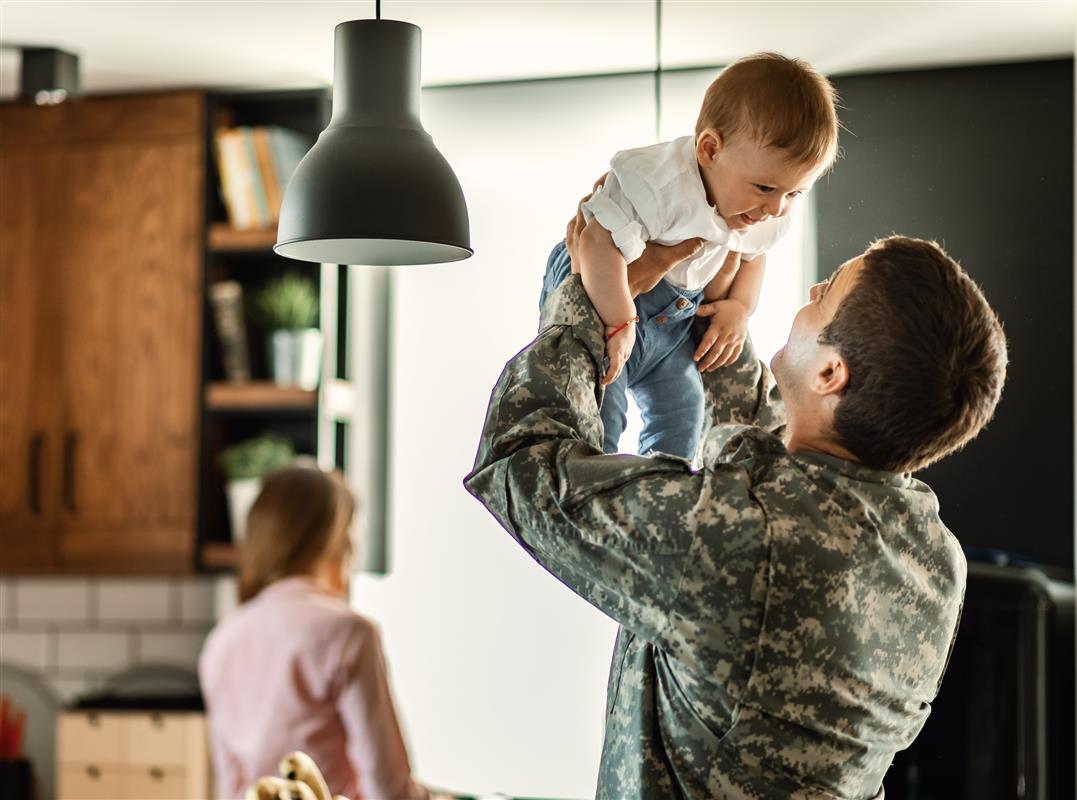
(297, 669)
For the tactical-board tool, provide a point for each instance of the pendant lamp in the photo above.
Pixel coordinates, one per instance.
(374, 190)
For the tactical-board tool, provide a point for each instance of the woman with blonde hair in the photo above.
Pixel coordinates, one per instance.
(294, 668)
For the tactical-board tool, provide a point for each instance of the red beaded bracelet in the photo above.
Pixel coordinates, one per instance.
(622, 327)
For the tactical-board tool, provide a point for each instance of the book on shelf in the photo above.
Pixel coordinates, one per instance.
(236, 180)
(288, 148)
(279, 152)
(256, 164)
(257, 182)
(263, 156)
(227, 300)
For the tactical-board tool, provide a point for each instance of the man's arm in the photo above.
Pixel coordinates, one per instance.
(743, 393)
(624, 532)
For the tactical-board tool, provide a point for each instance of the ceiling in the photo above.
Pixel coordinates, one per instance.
(126, 45)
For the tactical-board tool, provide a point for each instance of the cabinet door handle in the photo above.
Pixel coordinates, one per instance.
(37, 441)
(93, 772)
(70, 440)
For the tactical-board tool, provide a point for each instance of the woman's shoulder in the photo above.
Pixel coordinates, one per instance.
(293, 608)
(317, 608)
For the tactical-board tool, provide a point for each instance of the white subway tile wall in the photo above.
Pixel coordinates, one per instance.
(52, 600)
(7, 601)
(133, 600)
(77, 632)
(225, 600)
(196, 601)
(179, 649)
(97, 651)
(25, 649)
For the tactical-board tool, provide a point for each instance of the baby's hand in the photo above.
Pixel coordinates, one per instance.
(618, 349)
(721, 345)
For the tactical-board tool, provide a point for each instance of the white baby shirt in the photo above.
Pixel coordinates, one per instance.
(655, 194)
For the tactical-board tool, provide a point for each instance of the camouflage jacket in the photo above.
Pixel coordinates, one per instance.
(785, 618)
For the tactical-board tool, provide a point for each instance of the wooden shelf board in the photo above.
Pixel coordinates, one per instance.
(219, 555)
(257, 395)
(224, 238)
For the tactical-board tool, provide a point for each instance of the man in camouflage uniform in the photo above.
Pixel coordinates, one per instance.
(786, 611)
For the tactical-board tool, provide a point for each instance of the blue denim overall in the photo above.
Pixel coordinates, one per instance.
(660, 373)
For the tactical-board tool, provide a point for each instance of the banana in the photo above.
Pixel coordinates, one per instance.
(297, 790)
(267, 788)
(298, 766)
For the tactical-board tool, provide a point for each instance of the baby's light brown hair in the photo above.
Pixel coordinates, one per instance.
(780, 102)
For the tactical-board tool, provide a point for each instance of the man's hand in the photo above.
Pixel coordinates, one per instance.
(646, 271)
(721, 345)
(656, 260)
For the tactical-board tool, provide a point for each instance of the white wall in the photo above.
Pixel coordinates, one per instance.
(499, 670)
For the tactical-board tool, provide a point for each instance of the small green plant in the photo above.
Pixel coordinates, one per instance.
(257, 457)
(289, 302)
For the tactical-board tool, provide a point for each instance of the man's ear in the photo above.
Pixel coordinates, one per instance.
(708, 143)
(832, 376)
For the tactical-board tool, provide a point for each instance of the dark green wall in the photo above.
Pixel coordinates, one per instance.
(981, 160)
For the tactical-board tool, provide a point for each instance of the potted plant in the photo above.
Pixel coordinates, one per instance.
(288, 308)
(244, 465)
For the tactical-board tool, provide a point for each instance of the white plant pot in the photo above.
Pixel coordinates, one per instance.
(295, 357)
(241, 495)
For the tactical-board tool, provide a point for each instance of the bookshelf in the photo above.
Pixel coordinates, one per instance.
(219, 555)
(223, 238)
(234, 411)
(257, 396)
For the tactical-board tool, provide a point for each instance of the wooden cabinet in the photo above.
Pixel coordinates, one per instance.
(114, 406)
(100, 326)
(129, 755)
(30, 411)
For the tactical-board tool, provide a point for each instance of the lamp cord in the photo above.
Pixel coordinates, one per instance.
(377, 9)
(657, 69)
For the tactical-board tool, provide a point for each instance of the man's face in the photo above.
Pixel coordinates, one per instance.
(749, 183)
(802, 356)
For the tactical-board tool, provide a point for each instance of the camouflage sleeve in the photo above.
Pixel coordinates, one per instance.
(744, 393)
(618, 530)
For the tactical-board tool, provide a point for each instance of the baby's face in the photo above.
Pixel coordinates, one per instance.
(747, 182)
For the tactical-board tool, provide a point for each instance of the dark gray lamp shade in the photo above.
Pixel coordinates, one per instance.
(374, 190)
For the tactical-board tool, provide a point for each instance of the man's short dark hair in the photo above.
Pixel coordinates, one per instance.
(925, 352)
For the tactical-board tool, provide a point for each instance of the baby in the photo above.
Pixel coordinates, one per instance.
(767, 129)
